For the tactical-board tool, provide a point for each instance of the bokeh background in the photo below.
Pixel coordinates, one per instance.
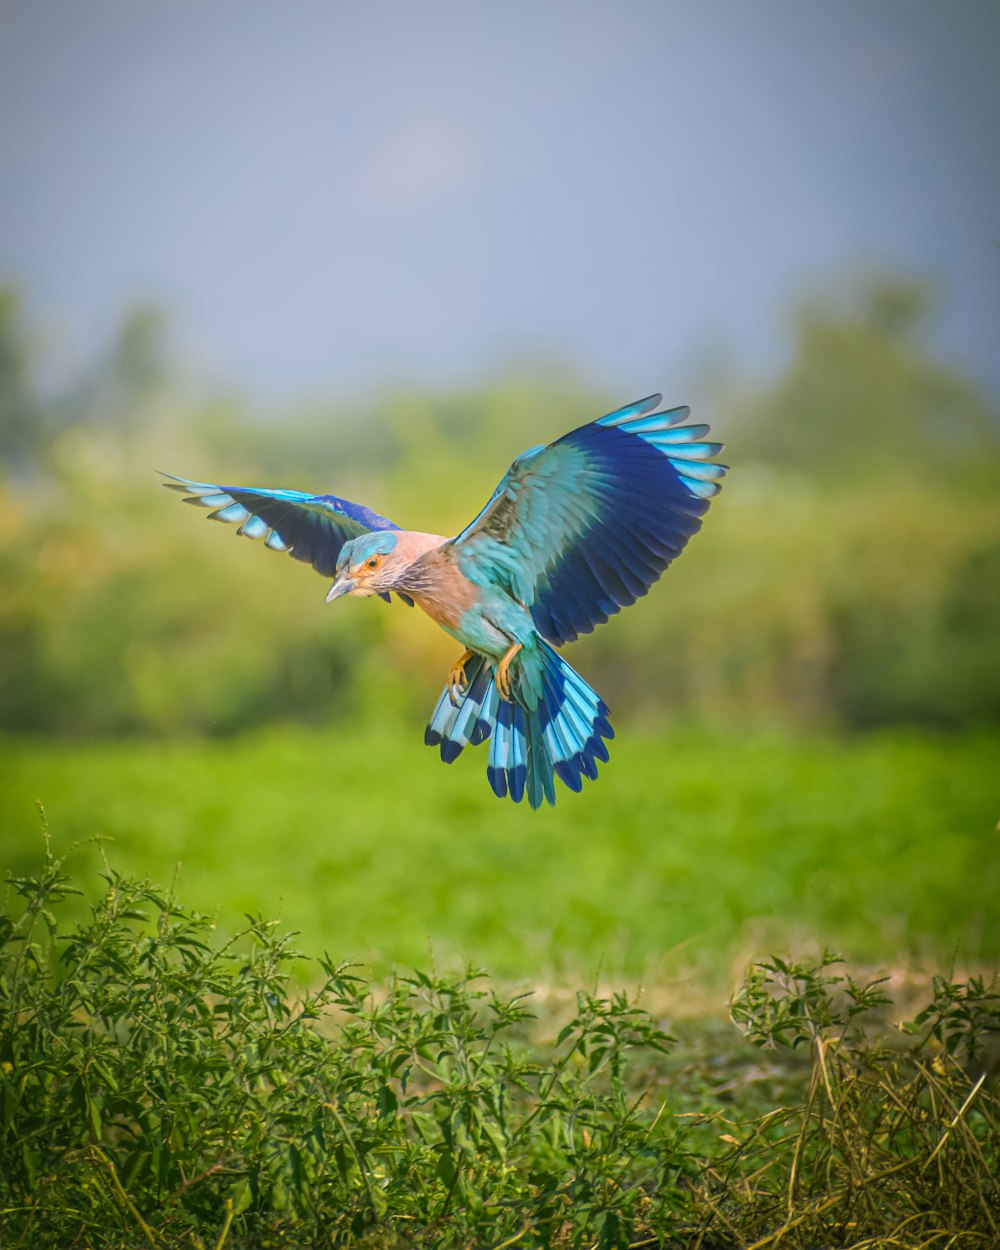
(382, 249)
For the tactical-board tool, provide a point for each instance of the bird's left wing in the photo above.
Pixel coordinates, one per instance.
(313, 528)
(581, 528)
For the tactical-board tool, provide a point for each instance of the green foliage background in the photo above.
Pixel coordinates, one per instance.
(693, 851)
(807, 704)
(849, 573)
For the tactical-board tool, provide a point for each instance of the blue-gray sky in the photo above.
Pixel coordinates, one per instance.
(331, 195)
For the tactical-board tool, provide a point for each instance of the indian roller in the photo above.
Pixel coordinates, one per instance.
(574, 532)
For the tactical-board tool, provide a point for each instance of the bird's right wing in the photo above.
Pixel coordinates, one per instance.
(313, 528)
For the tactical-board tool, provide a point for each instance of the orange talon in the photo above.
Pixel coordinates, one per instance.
(457, 681)
(503, 673)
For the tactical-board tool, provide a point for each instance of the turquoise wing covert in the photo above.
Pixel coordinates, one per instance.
(581, 528)
(313, 528)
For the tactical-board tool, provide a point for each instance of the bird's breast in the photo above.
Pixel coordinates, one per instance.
(446, 606)
(438, 587)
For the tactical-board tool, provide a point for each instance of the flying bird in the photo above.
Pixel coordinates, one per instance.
(574, 532)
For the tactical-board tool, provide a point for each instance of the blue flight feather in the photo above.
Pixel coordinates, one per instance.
(255, 527)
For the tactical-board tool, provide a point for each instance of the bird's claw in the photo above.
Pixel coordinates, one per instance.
(503, 678)
(458, 683)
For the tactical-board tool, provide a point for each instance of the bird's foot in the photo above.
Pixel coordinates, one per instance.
(458, 683)
(503, 679)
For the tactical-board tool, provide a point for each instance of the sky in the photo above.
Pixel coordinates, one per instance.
(329, 196)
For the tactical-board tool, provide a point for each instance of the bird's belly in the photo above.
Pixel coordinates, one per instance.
(467, 622)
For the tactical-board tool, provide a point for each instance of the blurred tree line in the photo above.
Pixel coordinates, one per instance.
(849, 574)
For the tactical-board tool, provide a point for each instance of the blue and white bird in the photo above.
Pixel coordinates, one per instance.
(574, 532)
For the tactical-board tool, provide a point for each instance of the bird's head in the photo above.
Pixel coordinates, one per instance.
(365, 566)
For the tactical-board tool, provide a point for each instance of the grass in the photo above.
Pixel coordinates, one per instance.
(693, 852)
(165, 1087)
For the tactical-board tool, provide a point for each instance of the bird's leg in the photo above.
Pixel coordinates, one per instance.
(457, 681)
(503, 673)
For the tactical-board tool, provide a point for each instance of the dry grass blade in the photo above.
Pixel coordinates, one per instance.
(875, 1126)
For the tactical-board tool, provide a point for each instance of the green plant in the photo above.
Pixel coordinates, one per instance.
(161, 1088)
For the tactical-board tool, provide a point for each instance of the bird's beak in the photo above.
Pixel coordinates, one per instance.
(342, 586)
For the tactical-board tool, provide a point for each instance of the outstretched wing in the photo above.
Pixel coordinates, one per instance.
(581, 528)
(313, 528)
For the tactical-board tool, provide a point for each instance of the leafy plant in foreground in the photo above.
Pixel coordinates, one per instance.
(161, 1089)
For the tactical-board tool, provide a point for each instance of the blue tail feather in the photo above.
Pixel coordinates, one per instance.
(453, 725)
(555, 727)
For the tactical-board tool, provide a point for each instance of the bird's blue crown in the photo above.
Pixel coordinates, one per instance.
(378, 543)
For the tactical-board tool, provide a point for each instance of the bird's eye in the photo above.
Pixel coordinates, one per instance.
(373, 562)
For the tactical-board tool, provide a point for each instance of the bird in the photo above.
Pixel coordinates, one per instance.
(575, 531)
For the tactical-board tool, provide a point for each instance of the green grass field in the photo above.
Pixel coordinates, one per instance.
(693, 853)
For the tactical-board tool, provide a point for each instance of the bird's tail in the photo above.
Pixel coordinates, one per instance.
(555, 725)
(468, 720)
